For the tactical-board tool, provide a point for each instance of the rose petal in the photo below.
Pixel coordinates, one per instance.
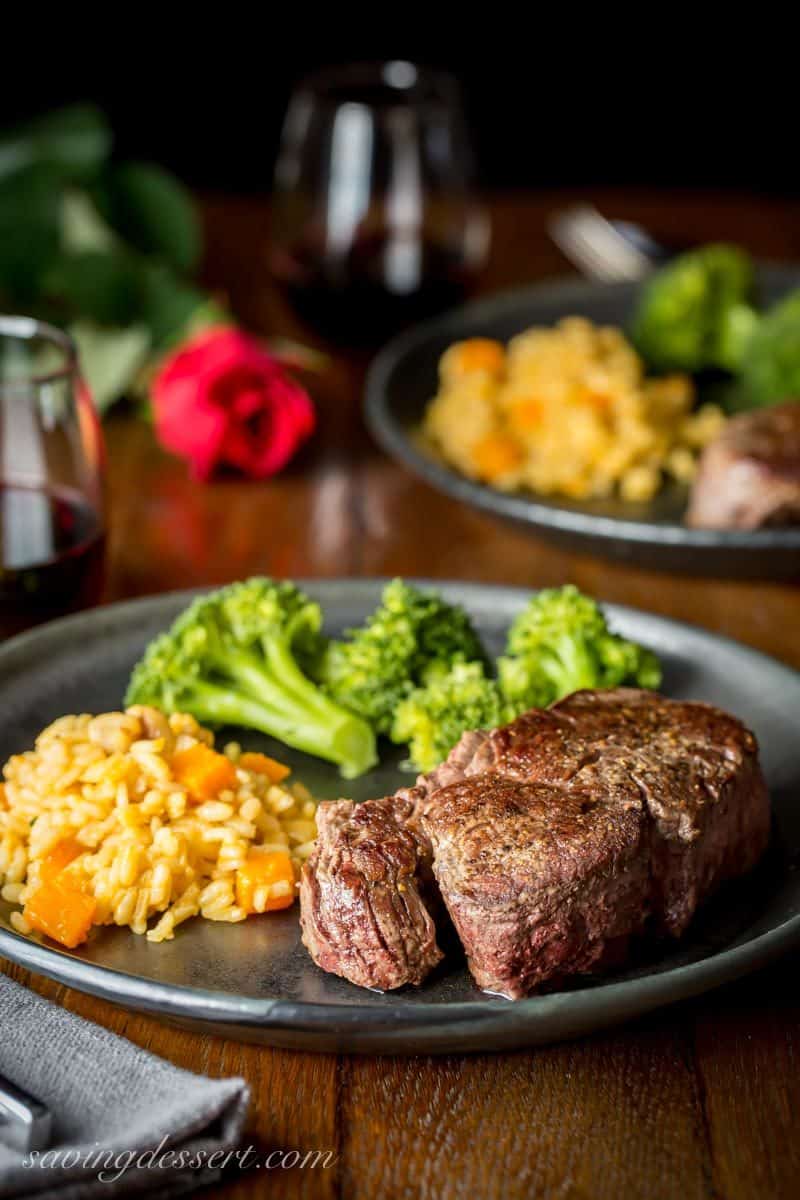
(190, 427)
(221, 398)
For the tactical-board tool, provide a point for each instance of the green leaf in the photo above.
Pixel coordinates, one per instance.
(169, 305)
(150, 209)
(110, 359)
(99, 285)
(29, 231)
(82, 227)
(73, 141)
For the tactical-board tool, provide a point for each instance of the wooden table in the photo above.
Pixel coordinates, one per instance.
(699, 1100)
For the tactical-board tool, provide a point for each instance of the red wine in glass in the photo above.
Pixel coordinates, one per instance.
(51, 555)
(52, 532)
(375, 221)
(380, 286)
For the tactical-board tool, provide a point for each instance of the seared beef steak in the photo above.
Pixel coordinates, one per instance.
(367, 893)
(749, 475)
(553, 841)
(361, 907)
(608, 811)
(539, 881)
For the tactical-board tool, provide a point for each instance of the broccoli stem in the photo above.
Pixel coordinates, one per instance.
(737, 327)
(271, 682)
(341, 738)
(283, 665)
(278, 682)
(572, 666)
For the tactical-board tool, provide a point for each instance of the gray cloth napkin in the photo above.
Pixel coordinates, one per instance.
(108, 1098)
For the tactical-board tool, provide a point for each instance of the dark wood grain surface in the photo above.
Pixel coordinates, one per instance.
(700, 1100)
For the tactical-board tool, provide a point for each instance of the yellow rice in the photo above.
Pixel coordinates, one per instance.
(151, 852)
(566, 410)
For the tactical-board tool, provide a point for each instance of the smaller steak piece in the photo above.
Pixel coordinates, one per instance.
(749, 475)
(362, 910)
(368, 897)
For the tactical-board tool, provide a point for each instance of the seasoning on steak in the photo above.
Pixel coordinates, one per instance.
(608, 813)
(749, 475)
(553, 840)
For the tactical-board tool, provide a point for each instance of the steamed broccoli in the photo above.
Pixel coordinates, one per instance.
(233, 658)
(770, 362)
(695, 312)
(560, 643)
(432, 718)
(411, 635)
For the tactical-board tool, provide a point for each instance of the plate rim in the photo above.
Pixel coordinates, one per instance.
(525, 507)
(444, 1025)
(272, 1013)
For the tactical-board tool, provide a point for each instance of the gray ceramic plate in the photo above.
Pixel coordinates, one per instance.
(402, 380)
(255, 981)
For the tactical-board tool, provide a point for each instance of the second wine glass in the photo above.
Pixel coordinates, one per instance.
(375, 221)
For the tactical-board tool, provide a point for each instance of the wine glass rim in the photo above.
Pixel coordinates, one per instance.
(27, 329)
(402, 79)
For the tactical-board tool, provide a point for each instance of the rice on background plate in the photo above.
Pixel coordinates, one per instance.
(566, 410)
(104, 807)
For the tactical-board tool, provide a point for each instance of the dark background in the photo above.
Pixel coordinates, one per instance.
(637, 101)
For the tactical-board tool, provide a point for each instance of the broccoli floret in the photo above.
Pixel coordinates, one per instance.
(561, 643)
(233, 658)
(695, 313)
(770, 368)
(432, 718)
(550, 614)
(558, 644)
(411, 636)
(627, 662)
(524, 682)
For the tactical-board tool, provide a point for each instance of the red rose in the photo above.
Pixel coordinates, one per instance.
(222, 400)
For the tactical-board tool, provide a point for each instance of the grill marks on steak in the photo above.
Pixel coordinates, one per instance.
(553, 841)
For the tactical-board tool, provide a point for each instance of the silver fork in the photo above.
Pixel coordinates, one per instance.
(596, 247)
(25, 1122)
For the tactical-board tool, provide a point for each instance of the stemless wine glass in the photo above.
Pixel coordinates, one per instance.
(375, 222)
(51, 478)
